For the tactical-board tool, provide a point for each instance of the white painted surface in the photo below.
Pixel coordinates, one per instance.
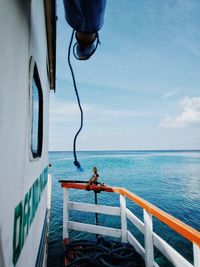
(170, 253)
(148, 239)
(196, 251)
(65, 213)
(122, 200)
(135, 221)
(138, 247)
(22, 35)
(134, 242)
(94, 208)
(95, 229)
(49, 185)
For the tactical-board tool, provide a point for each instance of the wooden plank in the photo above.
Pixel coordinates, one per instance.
(134, 219)
(95, 229)
(148, 239)
(49, 184)
(170, 253)
(65, 213)
(103, 209)
(123, 218)
(138, 247)
(196, 252)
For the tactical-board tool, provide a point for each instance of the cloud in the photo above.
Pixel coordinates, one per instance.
(170, 95)
(118, 134)
(84, 137)
(190, 114)
(64, 111)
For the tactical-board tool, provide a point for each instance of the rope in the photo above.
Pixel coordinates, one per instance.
(76, 162)
(95, 47)
(84, 253)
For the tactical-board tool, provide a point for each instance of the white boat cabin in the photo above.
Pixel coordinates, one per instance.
(27, 73)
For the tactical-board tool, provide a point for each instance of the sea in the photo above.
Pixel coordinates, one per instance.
(168, 179)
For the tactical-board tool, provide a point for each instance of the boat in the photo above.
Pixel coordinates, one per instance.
(28, 73)
(145, 226)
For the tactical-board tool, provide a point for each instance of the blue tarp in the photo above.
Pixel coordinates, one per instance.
(85, 15)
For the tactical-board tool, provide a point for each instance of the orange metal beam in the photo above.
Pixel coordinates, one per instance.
(175, 224)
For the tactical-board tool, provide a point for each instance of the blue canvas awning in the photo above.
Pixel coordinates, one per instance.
(85, 16)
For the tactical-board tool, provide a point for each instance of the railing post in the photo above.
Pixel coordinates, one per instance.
(123, 218)
(196, 253)
(148, 236)
(49, 185)
(65, 213)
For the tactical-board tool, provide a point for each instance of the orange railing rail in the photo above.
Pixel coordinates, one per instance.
(183, 229)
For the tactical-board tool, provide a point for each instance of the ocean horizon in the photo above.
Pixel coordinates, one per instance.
(131, 150)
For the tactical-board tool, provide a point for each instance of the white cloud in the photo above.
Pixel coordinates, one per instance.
(118, 134)
(170, 94)
(64, 111)
(84, 137)
(190, 114)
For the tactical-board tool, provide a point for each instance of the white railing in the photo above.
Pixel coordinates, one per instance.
(49, 186)
(151, 239)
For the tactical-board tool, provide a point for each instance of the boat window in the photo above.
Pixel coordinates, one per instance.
(37, 116)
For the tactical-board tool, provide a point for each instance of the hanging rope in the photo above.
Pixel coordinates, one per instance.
(76, 162)
(96, 42)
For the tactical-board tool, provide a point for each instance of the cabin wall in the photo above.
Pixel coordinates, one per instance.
(22, 36)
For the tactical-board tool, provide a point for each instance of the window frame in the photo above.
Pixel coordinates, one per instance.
(35, 78)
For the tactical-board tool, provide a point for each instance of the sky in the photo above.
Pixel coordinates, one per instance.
(141, 89)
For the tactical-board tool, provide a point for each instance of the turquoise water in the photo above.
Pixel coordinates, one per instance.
(168, 179)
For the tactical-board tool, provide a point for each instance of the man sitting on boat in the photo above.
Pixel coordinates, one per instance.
(93, 179)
